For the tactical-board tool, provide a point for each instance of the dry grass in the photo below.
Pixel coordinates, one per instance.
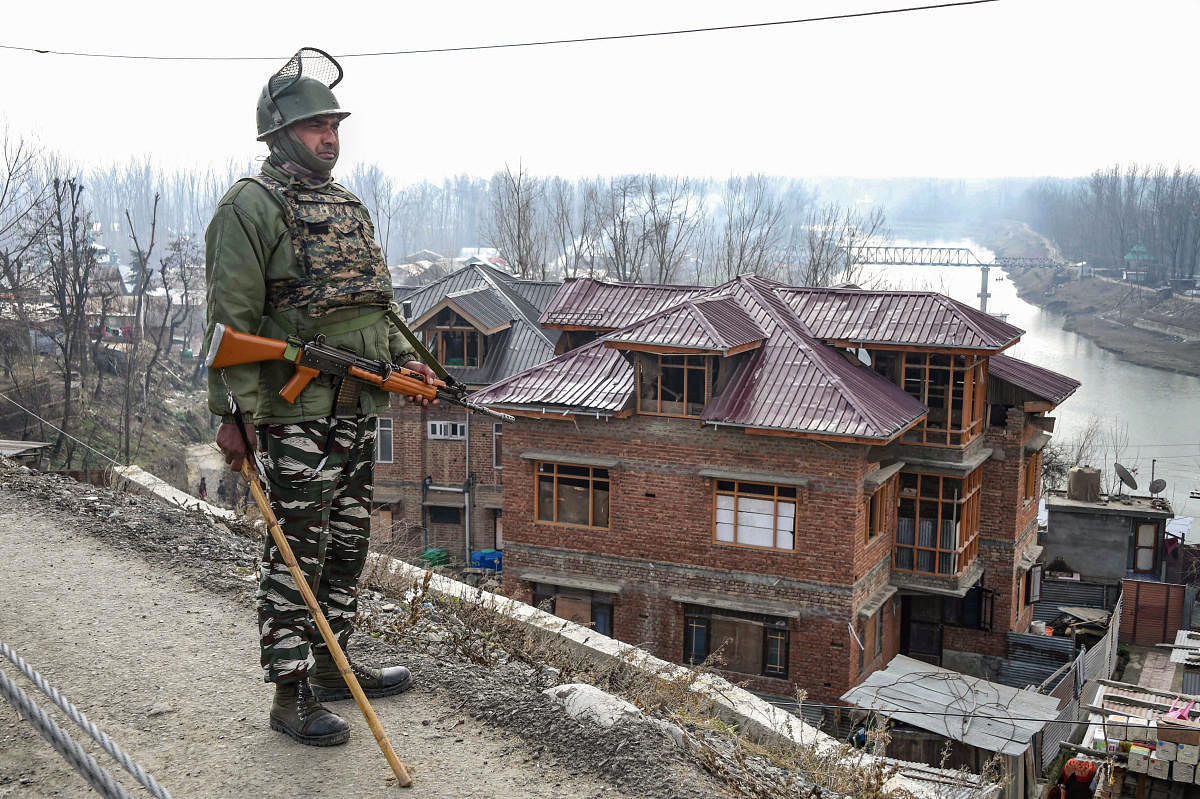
(475, 631)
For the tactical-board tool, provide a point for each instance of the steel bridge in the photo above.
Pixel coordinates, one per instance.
(925, 256)
(915, 256)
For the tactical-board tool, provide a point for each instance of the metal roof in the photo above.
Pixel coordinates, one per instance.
(484, 305)
(716, 325)
(587, 302)
(1037, 380)
(591, 378)
(493, 299)
(910, 318)
(792, 382)
(10, 447)
(991, 716)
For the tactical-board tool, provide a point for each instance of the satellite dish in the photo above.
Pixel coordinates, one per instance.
(1157, 485)
(1125, 476)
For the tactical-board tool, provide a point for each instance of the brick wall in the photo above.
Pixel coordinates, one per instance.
(660, 537)
(416, 456)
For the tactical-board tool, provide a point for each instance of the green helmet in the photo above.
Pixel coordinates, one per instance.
(301, 89)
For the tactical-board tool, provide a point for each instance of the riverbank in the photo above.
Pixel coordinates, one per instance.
(1134, 323)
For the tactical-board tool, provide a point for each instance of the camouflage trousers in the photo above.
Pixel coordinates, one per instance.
(320, 486)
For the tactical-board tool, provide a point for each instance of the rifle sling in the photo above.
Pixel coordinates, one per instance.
(422, 351)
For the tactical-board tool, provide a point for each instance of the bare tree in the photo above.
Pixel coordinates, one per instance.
(832, 231)
(518, 221)
(674, 212)
(71, 262)
(750, 231)
(133, 353)
(573, 224)
(621, 224)
(22, 228)
(378, 193)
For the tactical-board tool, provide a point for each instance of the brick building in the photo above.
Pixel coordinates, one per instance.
(807, 480)
(438, 472)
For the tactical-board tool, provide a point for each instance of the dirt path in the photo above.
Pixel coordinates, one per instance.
(168, 670)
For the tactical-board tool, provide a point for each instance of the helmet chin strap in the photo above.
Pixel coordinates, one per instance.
(288, 150)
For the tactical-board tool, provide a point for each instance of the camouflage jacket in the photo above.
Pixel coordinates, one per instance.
(262, 280)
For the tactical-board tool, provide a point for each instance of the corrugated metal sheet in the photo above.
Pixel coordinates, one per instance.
(493, 298)
(483, 305)
(1057, 593)
(1039, 381)
(793, 382)
(718, 325)
(1002, 719)
(924, 319)
(586, 302)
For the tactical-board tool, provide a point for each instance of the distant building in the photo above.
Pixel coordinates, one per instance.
(439, 473)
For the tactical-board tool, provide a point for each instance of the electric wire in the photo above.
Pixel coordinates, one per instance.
(51, 425)
(512, 45)
(79, 718)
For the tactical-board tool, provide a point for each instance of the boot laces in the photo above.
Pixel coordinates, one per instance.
(306, 701)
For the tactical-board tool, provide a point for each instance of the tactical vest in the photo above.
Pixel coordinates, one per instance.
(336, 251)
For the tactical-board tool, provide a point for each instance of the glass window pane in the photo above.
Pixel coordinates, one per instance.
(600, 507)
(755, 520)
(925, 560)
(756, 488)
(582, 471)
(904, 559)
(572, 501)
(725, 485)
(545, 510)
(1145, 560)
(787, 491)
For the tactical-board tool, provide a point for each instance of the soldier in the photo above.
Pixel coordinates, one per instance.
(291, 254)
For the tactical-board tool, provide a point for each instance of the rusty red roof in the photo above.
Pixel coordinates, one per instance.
(717, 324)
(908, 318)
(794, 382)
(1037, 380)
(587, 302)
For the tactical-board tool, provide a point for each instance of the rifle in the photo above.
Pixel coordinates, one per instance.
(232, 348)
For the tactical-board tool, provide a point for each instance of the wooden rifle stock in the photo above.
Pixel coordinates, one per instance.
(231, 348)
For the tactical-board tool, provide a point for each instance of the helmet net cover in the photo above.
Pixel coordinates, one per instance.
(308, 62)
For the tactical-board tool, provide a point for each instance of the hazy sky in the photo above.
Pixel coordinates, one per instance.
(1010, 88)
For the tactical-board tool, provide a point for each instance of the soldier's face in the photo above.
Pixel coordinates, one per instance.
(320, 134)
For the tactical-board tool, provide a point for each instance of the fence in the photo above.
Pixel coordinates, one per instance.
(1069, 683)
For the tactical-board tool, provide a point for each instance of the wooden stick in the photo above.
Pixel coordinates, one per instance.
(335, 649)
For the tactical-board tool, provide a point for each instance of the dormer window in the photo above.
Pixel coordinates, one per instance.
(673, 385)
(454, 341)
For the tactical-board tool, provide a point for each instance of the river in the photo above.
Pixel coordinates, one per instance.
(1160, 409)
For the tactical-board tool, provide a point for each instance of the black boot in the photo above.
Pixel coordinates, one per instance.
(296, 713)
(329, 686)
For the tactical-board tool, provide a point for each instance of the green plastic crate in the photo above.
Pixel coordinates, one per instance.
(434, 557)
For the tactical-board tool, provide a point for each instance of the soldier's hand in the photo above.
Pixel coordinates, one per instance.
(230, 442)
(418, 366)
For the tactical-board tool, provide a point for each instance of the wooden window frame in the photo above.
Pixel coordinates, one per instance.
(447, 324)
(878, 509)
(774, 629)
(1033, 478)
(555, 476)
(1153, 548)
(966, 545)
(383, 432)
(969, 397)
(775, 497)
(687, 366)
(769, 669)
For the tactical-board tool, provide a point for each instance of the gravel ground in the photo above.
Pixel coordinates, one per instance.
(142, 615)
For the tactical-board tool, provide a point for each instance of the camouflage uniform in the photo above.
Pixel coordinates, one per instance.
(285, 259)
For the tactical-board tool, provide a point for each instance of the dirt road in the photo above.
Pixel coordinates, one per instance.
(168, 670)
